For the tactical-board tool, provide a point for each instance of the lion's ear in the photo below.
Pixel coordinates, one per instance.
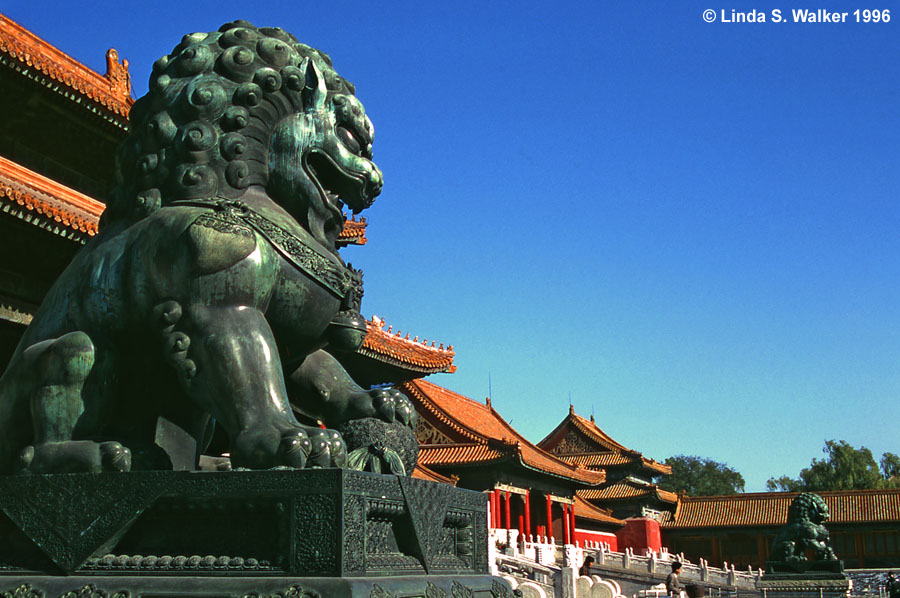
(315, 92)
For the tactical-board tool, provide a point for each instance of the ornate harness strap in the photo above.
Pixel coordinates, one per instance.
(337, 279)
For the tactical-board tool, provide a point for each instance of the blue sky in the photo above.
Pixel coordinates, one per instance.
(690, 228)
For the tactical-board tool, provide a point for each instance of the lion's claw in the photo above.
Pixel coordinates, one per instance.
(406, 414)
(295, 449)
(392, 406)
(384, 405)
(328, 449)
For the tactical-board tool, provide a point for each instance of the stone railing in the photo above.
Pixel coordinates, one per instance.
(533, 580)
(661, 563)
(536, 564)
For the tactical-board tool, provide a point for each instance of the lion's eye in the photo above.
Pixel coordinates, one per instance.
(348, 139)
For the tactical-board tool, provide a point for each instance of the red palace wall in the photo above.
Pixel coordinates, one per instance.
(641, 534)
(585, 534)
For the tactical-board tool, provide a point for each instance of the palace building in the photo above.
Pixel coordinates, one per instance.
(530, 490)
(739, 529)
(61, 125)
(629, 489)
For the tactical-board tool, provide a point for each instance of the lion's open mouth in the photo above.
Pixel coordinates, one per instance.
(338, 187)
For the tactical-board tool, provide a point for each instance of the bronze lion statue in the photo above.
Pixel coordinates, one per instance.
(213, 291)
(804, 531)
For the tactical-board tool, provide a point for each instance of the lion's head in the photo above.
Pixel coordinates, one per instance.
(240, 107)
(808, 507)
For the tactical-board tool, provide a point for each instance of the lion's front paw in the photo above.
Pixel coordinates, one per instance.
(74, 456)
(295, 447)
(115, 457)
(327, 448)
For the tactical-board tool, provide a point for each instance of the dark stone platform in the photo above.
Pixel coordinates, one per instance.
(255, 534)
(805, 579)
(806, 568)
(800, 587)
(144, 586)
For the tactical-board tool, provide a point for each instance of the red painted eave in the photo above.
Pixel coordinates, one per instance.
(112, 90)
(48, 199)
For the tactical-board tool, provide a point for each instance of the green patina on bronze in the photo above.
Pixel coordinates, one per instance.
(214, 290)
(803, 533)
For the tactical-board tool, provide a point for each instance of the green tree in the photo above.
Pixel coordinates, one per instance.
(844, 468)
(699, 476)
(890, 468)
(784, 484)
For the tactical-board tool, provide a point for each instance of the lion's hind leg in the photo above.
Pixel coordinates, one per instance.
(59, 368)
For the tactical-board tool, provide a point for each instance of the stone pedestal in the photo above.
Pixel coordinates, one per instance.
(254, 534)
(201, 586)
(773, 586)
(815, 579)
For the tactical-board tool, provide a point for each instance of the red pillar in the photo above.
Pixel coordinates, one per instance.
(572, 522)
(506, 512)
(549, 516)
(521, 516)
(498, 520)
(527, 512)
(565, 524)
(496, 498)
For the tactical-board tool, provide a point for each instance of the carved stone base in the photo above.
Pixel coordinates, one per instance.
(816, 585)
(269, 524)
(806, 569)
(168, 586)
